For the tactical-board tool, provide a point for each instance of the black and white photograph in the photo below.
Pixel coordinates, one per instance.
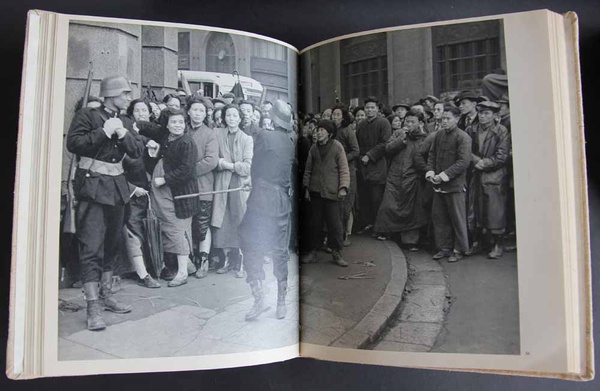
(176, 208)
(408, 234)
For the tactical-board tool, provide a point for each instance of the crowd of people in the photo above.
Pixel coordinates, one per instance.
(437, 170)
(219, 175)
(216, 172)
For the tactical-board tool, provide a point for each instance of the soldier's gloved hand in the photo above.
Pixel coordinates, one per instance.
(111, 125)
(121, 132)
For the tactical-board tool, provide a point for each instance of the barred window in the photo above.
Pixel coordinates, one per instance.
(463, 65)
(364, 68)
(366, 78)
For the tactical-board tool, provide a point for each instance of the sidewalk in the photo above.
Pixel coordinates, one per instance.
(351, 313)
(205, 316)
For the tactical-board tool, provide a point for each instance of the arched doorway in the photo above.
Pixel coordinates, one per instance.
(220, 53)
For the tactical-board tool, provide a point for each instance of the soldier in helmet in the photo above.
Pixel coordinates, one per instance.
(101, 137)
(264, 229)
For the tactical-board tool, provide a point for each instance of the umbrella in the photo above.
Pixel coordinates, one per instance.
(237, 89)
(153, 242)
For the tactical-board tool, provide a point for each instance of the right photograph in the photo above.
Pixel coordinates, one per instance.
(407, 216)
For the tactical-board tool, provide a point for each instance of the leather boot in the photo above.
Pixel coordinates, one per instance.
(94, 320)
(110, 303)
(259, 301)
(336, 258)
(281, 292)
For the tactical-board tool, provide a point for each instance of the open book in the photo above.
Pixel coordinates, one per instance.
(192, 198)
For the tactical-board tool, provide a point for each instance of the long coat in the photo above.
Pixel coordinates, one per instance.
(240, 153)
(208, 158)
(372, 136)
(402, 207)
(487, 190)
(179, 158)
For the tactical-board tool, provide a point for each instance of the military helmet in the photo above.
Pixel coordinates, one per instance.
(281, 114)
(114, 86)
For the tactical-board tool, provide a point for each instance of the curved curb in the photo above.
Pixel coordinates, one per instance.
(371, 325)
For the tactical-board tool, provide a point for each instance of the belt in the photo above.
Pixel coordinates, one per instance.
(101, 167)
(283, 189)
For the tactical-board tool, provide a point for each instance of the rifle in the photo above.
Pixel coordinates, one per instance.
(69, 218)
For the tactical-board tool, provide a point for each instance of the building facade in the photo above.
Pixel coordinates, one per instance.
(402, 66)
(271, 64)
(149, 57)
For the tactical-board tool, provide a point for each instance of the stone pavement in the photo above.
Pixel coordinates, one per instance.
(351, 313)
(421, 315)
(484, 312)
(205, 316)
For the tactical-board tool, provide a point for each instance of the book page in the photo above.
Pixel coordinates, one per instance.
(436, 262)
(165, 261)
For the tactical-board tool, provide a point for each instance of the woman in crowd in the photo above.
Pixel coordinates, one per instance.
(172, 101)
(347, 137)
(266, 123)
(217, 118)
(154, 111)
(401, 210)
(396, 123)
(359, 114)
(257, 117)
(232, 172)
(326, 114)
(136, 210)
(174, 176)
(326, 182)
(205, 139)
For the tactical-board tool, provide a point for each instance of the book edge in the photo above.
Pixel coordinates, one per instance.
(11, 372)
(589, 373)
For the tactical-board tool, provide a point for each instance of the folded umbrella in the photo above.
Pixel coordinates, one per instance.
(153, 242)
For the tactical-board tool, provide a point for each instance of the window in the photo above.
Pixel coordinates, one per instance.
(463, 54)
(183, 50)
(220, 53)
(364, 68)
(266, 49)
(463, 65)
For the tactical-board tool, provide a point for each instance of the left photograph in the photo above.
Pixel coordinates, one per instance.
(176, 215)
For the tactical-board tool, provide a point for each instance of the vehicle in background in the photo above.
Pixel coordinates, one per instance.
(214, 84)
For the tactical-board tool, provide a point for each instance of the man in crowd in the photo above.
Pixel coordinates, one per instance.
(467, 101)
(489, 178)
(504, 112)
(448, 158)
(372, 135)
(250, 128)
(436, 124)
(400, 110)
(429, 101)
(101, 138)
(265, 108)
(264, 228)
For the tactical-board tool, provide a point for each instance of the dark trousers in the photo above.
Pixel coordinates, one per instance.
(450, 221)
(265, 235)
(331, 213)
(201, 224)
(369, 199)
(99, 234)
